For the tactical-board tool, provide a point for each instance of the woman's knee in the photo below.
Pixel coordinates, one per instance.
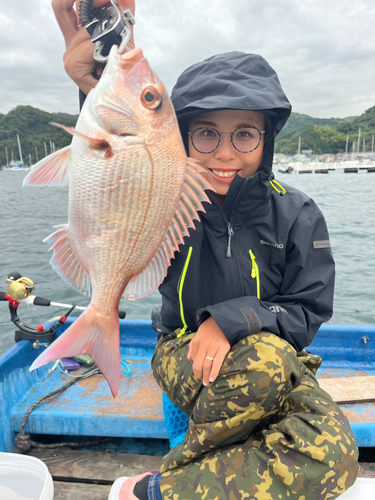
(264, 360)
(257, 375)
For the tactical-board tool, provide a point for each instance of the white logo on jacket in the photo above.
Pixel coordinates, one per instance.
(277, 309)
(280, 246)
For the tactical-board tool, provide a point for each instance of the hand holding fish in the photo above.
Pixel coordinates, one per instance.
(78, 58)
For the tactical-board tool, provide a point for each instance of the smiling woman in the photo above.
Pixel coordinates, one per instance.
(238, 152)
(252, 290)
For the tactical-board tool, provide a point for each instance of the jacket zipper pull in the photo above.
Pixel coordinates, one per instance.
(230, 234)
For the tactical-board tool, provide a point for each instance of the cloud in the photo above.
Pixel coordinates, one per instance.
(322, 50)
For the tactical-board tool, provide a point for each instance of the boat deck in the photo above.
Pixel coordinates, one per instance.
(83, 475)
(88, 409)
(89, 475)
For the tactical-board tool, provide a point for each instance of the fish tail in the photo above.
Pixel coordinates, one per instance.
(94, 334)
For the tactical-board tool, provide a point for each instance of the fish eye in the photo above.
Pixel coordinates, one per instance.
(151, 98)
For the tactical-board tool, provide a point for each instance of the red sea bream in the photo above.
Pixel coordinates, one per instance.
(133, 194)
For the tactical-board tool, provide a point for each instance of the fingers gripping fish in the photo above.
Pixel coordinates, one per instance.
(133, 194)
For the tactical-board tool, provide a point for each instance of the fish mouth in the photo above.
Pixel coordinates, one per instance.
(128, 59)
(131, 57)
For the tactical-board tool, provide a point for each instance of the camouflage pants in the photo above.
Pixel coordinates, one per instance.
(263, 430)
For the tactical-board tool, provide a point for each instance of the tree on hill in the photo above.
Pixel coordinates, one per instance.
(328, 138)
(320, 139)
(34, 129)
(366, 120)
(298, 121)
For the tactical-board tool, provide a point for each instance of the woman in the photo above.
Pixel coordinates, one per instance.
(242, 299)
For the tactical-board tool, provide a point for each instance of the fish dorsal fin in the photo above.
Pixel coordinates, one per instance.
(64, 261)
(95, 142)
(189, 204)
(51, 171)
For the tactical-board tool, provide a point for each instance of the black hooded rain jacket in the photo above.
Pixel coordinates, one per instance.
(262, 261)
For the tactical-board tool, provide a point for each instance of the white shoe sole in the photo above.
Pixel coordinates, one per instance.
(116, 487)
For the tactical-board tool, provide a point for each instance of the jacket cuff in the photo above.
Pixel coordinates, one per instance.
(201, 315)
(236, 324)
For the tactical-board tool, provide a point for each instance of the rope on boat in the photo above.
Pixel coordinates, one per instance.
(23, 442)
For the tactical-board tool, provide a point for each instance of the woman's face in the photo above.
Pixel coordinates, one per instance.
(222, 165)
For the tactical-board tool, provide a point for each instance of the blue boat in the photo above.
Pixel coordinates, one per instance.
(87, 408)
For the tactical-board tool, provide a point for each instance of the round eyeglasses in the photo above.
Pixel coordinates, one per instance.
(244, 139)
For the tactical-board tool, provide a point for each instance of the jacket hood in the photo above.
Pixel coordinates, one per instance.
(231, 81)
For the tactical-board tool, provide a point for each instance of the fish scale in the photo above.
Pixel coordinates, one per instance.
(133, 194)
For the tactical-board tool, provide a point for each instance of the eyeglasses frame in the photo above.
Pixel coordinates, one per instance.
(231, 138)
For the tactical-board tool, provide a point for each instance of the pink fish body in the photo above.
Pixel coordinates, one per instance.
(133, 194)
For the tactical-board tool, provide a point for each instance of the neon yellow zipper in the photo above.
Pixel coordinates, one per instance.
(180, 286)
(274, 184)
(255, 272)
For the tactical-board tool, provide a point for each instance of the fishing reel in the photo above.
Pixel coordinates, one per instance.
(107, 26)
(21, 288)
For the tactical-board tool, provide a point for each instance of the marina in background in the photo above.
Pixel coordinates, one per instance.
(307, 162)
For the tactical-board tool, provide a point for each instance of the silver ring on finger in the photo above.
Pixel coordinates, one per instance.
(211, 359)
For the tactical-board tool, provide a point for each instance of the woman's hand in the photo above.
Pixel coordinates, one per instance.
(79, 55)
(208, 342)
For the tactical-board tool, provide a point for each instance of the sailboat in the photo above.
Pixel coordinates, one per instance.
(18, 165)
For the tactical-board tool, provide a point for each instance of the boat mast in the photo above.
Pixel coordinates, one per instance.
(19, 148)
(36, 154)
(359, 138)
(299, 145)
(347, 141)
(6, 152)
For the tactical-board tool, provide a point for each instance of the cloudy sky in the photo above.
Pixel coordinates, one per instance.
(322, 50)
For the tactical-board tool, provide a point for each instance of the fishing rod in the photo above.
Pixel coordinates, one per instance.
(20, 291)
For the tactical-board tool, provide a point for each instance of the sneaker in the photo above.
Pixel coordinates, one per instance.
(123, 487)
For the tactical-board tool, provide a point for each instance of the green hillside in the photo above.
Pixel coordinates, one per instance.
(322, 135)
(298, 121)
(32, 126)
(328, 138)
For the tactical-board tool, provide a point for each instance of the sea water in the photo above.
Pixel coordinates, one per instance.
(28, 214)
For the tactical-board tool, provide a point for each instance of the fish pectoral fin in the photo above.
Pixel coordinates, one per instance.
(95, 142)
(65, 262)
(51, 171)
(190, 203)
(196, 165)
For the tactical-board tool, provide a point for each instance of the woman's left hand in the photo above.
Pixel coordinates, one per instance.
(79, 55)
(208, 342)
